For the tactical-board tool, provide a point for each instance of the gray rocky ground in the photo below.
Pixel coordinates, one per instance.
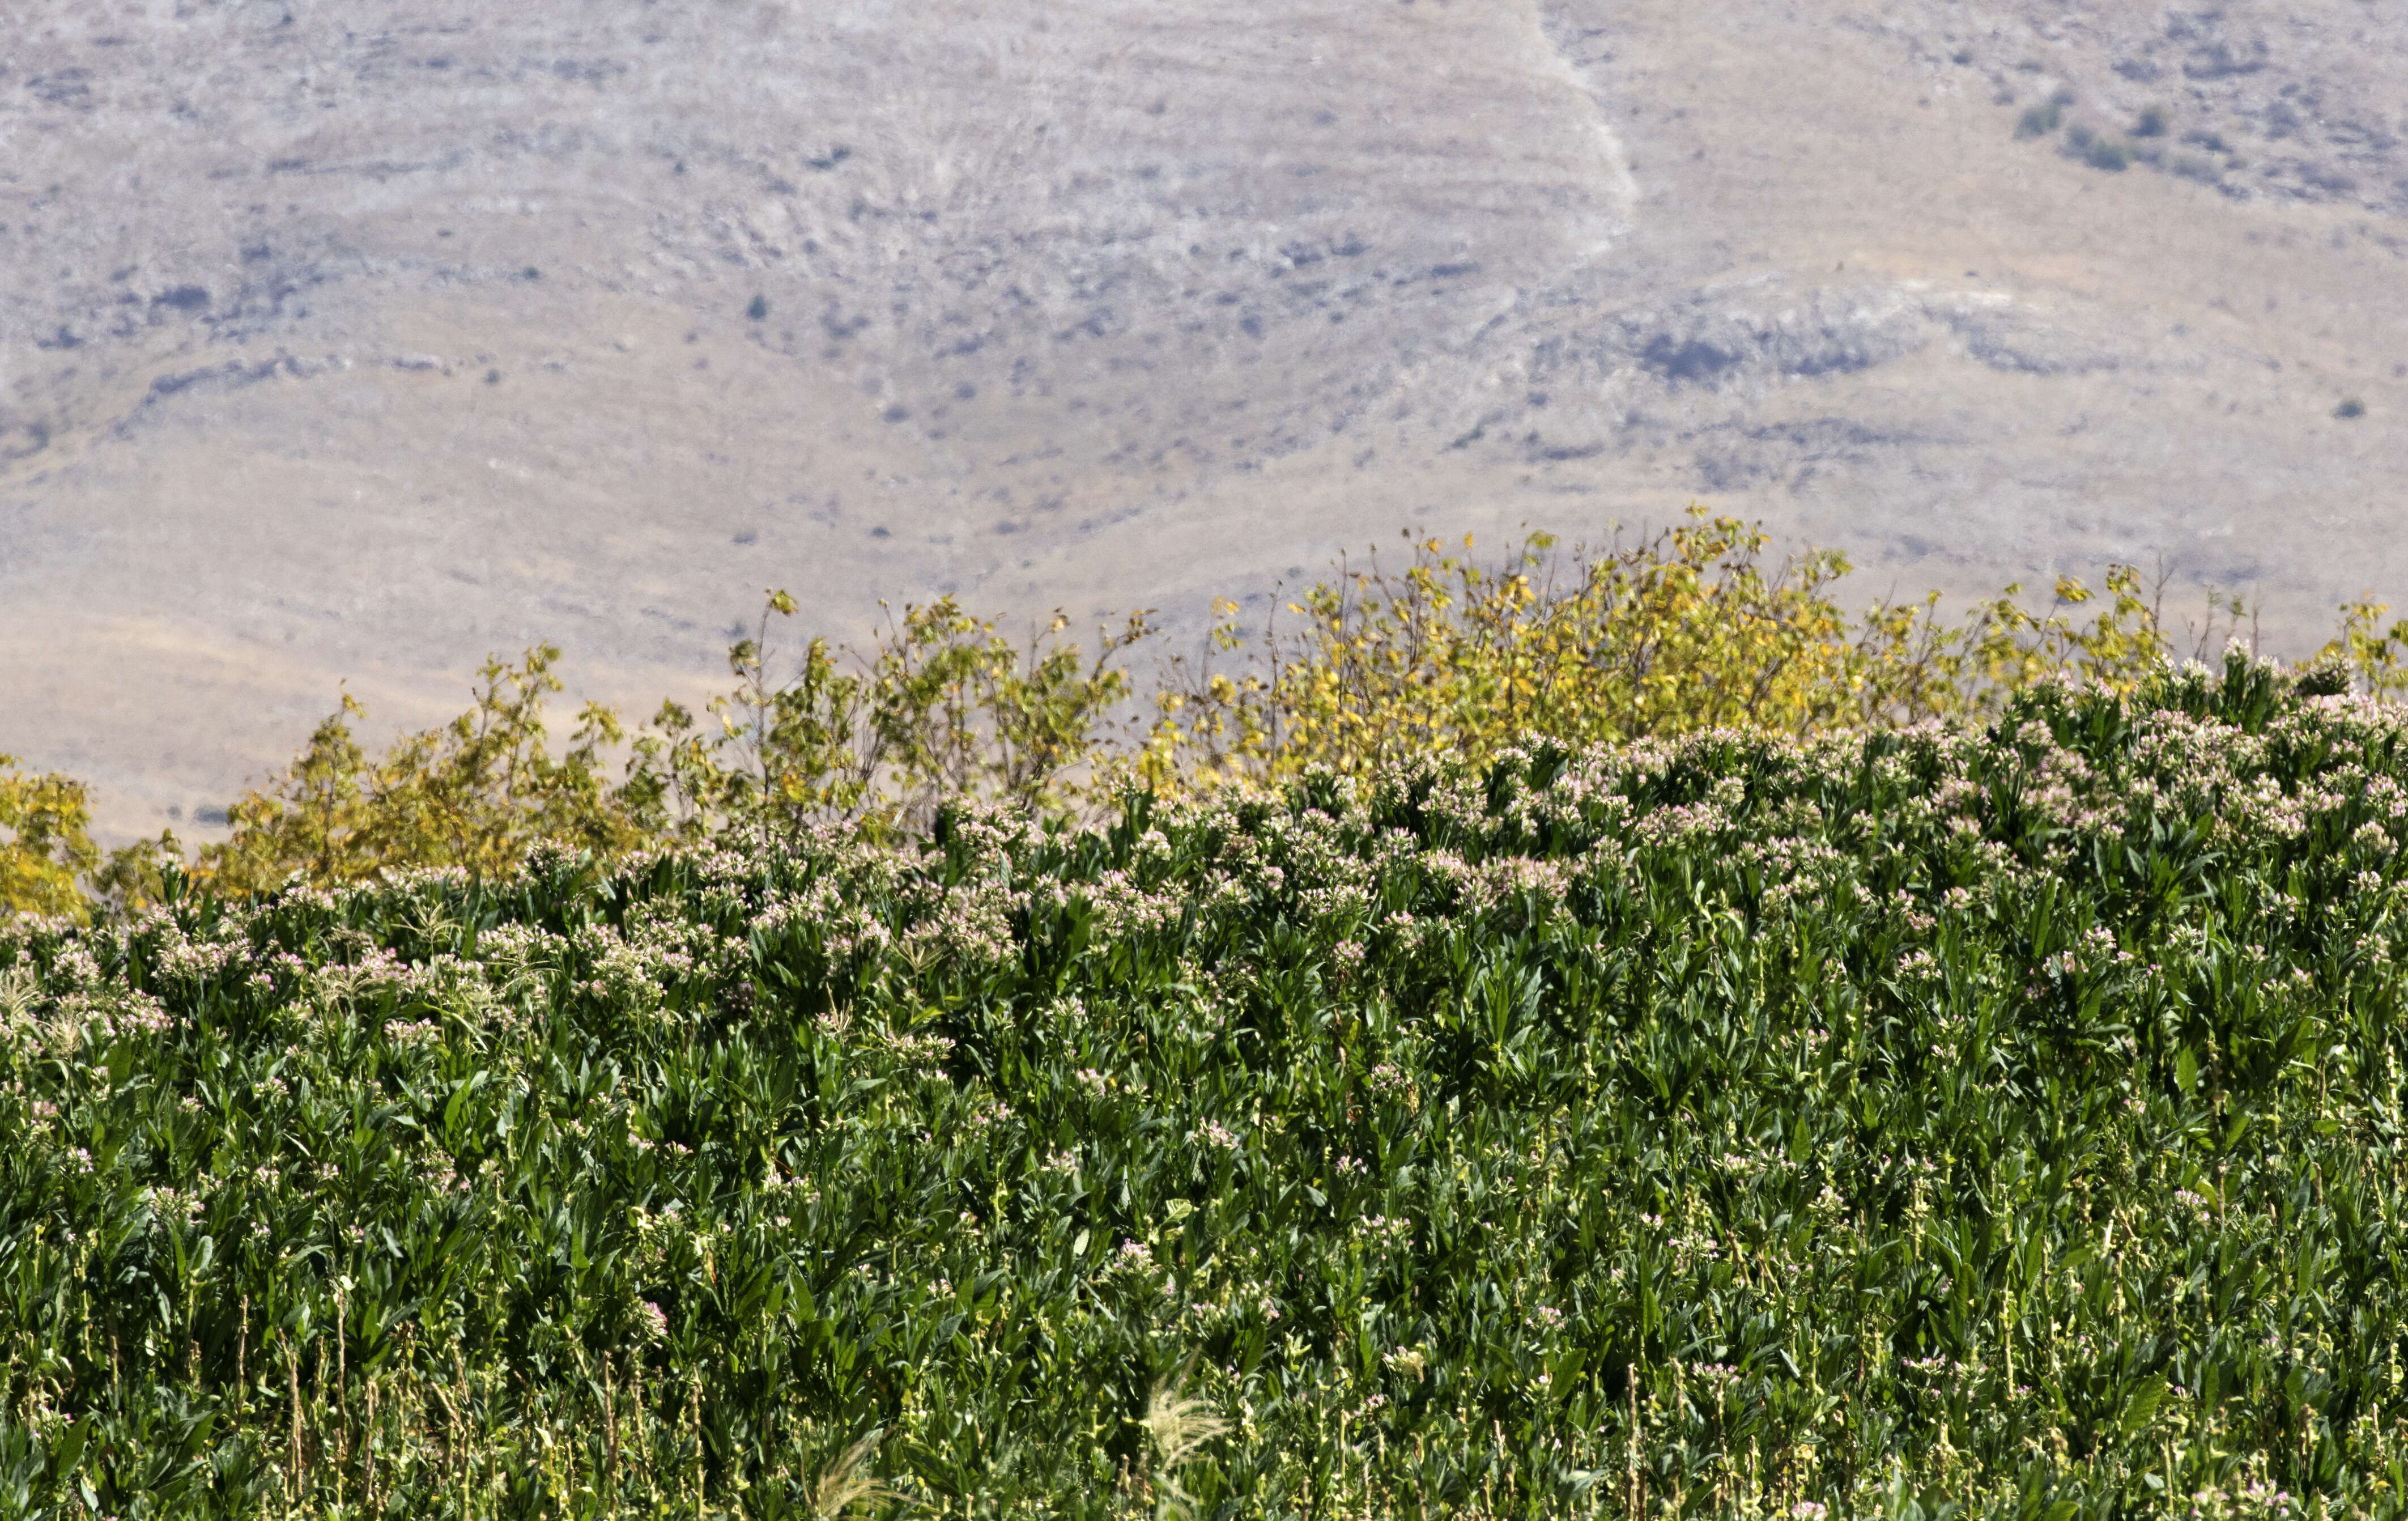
(351, 341)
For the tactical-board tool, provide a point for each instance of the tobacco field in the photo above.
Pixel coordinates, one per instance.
(1969, 1119)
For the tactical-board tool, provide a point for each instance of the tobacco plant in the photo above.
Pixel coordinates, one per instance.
(1998, 1119)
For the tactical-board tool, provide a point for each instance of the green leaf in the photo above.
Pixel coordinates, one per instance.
(2140, 1406)
(68, 1452)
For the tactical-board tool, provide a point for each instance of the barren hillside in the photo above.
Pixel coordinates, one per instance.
(356, 341)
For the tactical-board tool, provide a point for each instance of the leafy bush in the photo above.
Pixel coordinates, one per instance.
(48, 864)
(1685, 631)
(476, 794)
(1689, 629)
(945, 708)
(2350, 410)
(1996, 1118)
(46, 845)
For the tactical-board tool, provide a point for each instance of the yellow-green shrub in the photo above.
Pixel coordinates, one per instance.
(46, 843)
(944, 705)
(48, 864)
(1688, 630)
(2374, 657)
(1692, 629)
(475, 794)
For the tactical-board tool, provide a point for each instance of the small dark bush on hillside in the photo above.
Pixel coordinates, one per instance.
(2153, 122)
(2097, 148)
(759, 309)
(2350, 410)
(2109, 154)
(2040, 121)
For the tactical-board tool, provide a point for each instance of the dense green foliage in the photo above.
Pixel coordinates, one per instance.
(2005, 1118)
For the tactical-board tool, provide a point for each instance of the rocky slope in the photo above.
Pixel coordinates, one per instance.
(354, 341)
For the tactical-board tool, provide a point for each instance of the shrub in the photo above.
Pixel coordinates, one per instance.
(2153, 122)
(2107, 154)
(48, 864)
(2098, 149)
(2350, 409)
(1691, 629)
(475, 795)
(1688, 630)
(2038, 120)
(45, 846)
(945, 708)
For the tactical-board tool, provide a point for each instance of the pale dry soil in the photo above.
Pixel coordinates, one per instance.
(347, 342)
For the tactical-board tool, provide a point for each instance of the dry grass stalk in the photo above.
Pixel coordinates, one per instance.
(843, 1484)
(367, 1448)
(694, 1421)
(1179, 1425)
(610, 1430)
(342, 1388)
(295, 1455)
